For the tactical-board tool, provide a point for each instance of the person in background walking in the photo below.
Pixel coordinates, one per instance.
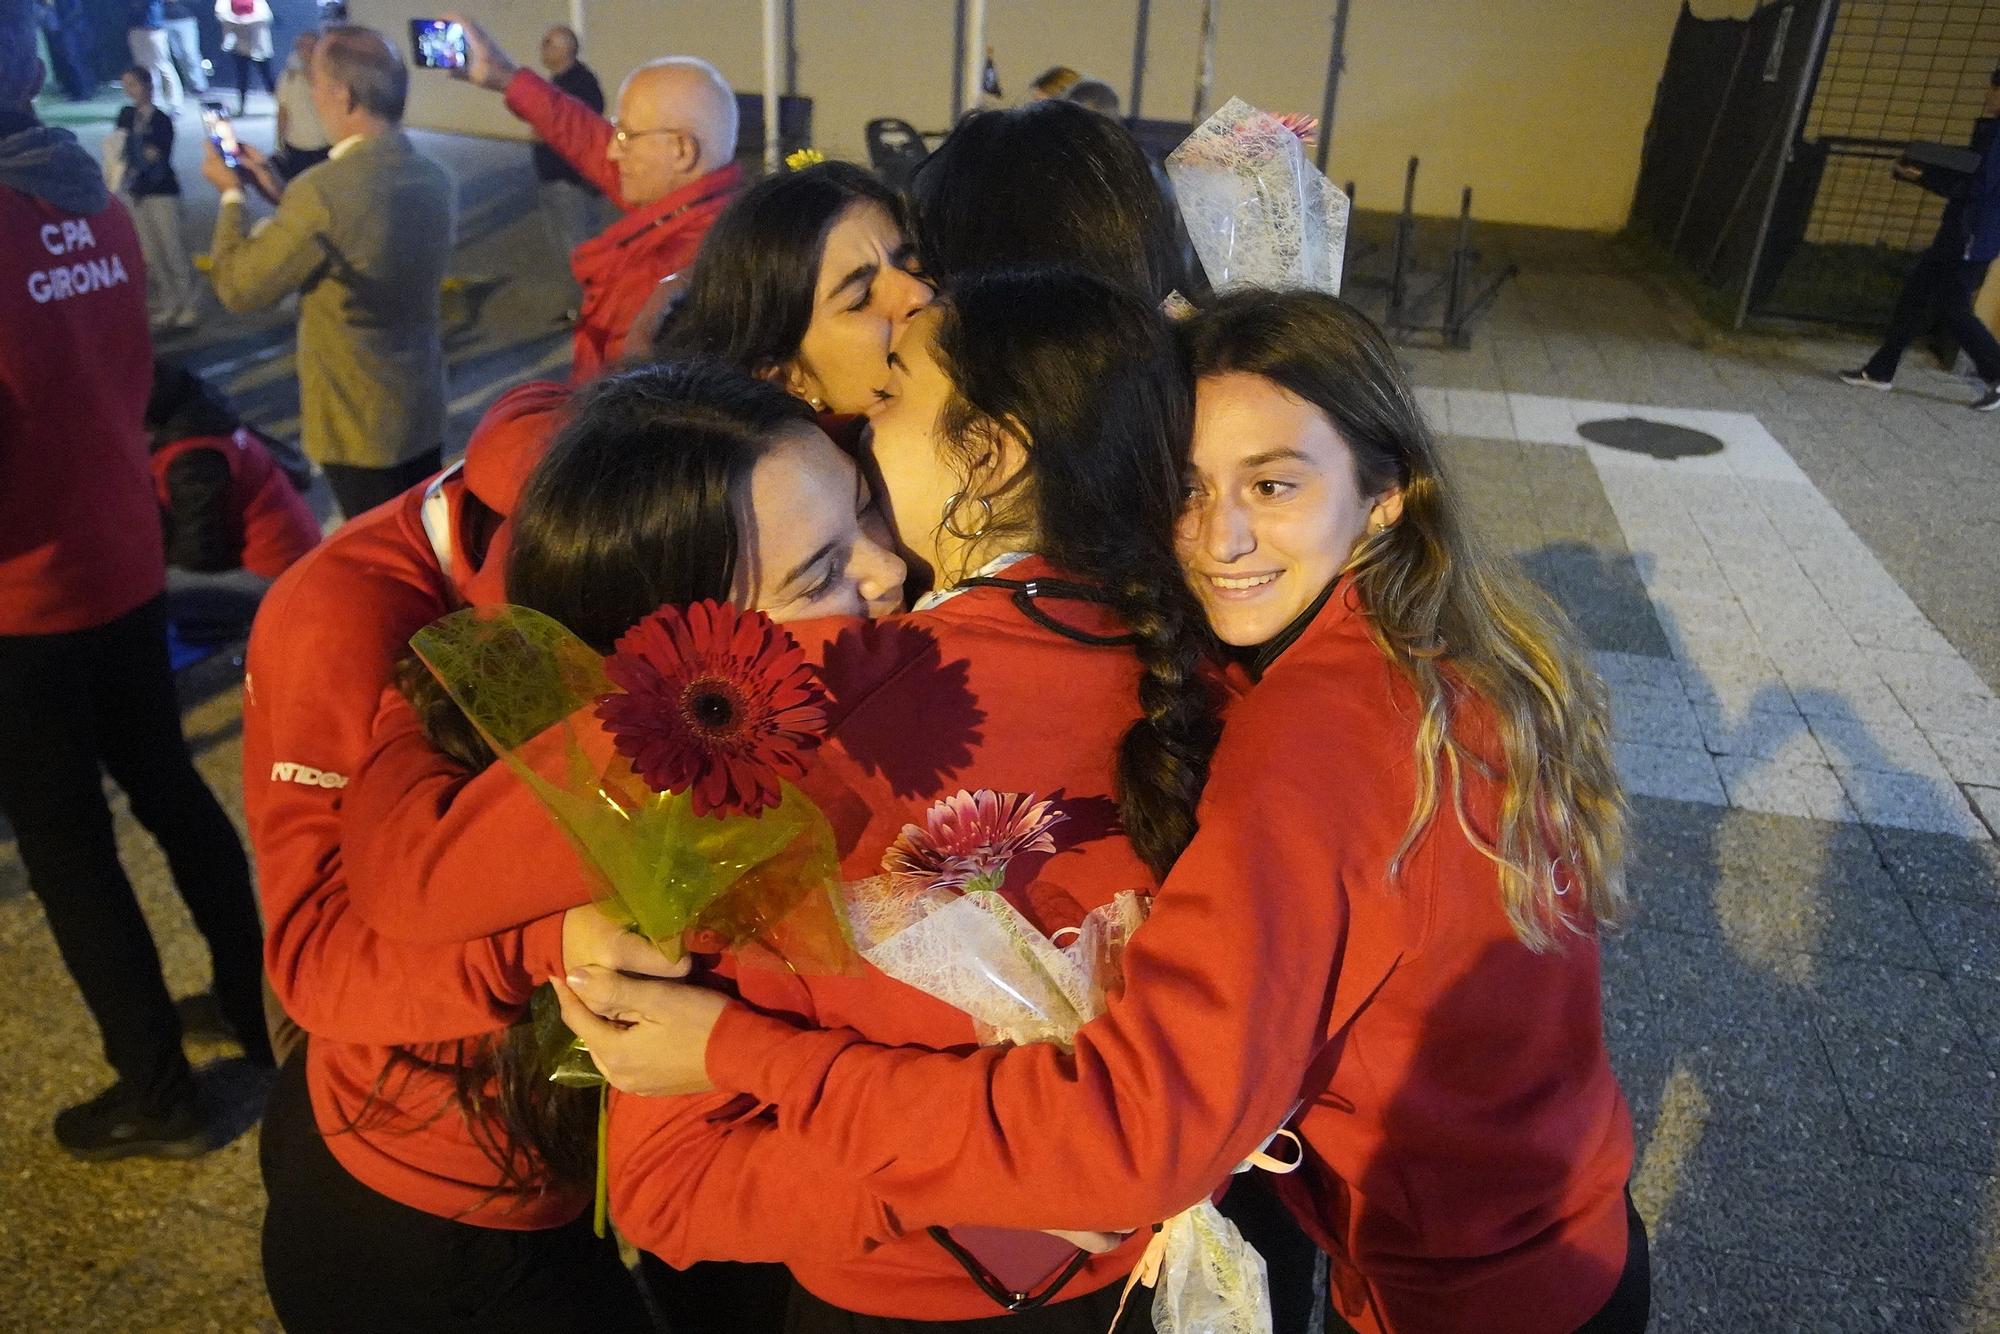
(668, 162)
(1948, 274)
(572, 208)
(246, 35)
(184, 45)
(301, 139)
(146, 38)
(85, 687)
(364, 238)
(153, 192)
(63, 26)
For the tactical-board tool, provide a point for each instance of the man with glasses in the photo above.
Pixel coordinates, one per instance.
(668, 163)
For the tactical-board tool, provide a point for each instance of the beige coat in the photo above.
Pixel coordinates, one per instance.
(364, 238)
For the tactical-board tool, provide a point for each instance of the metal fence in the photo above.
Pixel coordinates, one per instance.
(1766, 168)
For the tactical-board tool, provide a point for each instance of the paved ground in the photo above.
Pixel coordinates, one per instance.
(1802, 638)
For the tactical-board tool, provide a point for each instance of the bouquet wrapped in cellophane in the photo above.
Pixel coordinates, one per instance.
(1259, 214)
(935, 920)
(687, 821)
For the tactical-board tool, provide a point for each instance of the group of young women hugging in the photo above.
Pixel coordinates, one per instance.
(1205, 585)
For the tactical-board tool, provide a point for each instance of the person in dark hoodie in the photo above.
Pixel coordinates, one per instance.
(85, 687)
(1941, 286)
(233, 516)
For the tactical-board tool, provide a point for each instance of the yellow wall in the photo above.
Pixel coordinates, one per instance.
(1539, 105)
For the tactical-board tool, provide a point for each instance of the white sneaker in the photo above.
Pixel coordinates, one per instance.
(1864, 380)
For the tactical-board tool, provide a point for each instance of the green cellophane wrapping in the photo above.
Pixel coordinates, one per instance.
(764, 883)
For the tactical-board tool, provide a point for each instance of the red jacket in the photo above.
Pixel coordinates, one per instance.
(687, 1184)
(618, 268)
(321, 652)
(266, 513)
(79, 529)
(1467, 1157)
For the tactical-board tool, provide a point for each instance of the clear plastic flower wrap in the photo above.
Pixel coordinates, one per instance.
(1259, 213)
(935, 921)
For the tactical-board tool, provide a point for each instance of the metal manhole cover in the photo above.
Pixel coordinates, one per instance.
(1659, 440)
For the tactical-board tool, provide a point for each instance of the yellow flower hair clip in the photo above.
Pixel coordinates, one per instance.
(800, 159)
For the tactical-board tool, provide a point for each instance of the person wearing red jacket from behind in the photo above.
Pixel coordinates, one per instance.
(85, 685)
(1384, 929)
(667, 163)
(235, 520)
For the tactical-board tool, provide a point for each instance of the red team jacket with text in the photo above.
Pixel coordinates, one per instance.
(323, 648)
(79, 530)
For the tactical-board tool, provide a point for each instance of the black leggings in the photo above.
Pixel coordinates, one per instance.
(72, 708)
(243, 64)
(338, 1257)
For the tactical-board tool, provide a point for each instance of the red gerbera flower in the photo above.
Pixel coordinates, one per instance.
(714, 700)
(967, 839)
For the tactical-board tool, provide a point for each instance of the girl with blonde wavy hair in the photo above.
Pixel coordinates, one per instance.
(1379, 929)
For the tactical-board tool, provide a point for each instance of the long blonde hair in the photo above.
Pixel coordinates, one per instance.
(1461, 625)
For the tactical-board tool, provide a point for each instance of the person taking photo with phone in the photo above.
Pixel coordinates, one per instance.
(667, 162)
(364, 237)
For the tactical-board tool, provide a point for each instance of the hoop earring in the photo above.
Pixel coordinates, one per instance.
(951, 513)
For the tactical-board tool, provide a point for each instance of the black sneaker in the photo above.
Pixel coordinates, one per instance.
(119, 1124)
(1864, 380)
(1987, 401)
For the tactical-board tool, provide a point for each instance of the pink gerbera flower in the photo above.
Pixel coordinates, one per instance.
(716, 701)
(967, 839)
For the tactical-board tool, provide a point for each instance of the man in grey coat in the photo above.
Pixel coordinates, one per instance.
(364, 238)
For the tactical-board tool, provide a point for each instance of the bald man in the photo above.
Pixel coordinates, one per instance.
(668, 163)
(573, 209)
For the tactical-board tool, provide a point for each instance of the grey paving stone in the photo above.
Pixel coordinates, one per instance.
(1697, 1290)
(1917, 1079)
(1774, 1075)
(1939, 866)
(1966, 936)
(1681, 774)
(1910, 801)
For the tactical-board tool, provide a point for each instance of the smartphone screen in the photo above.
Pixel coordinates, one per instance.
(215, 122)
(437, 44)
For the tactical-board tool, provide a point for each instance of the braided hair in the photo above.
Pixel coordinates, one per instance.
(1087, 373)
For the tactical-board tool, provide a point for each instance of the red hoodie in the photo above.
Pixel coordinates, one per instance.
(276, 524)
(618, 268)
(79, 532)
(322, 650)
(1468, 1145)
(687, 1182)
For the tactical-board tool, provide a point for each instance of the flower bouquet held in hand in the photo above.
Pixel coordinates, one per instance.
(1257, 210)
(669, 766)
(935, 919)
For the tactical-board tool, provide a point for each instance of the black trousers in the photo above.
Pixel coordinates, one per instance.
(339, 1258)
(1939, 288)
(243, 64)
(72, 708)
(361, 489)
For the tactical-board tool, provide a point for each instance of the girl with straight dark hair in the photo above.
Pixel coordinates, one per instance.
(807, 278)
(423, 1181)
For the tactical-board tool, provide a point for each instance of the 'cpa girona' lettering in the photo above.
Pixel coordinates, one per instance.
(68, 280)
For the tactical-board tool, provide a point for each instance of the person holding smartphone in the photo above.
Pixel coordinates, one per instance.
(667, 163)
(365, 238)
